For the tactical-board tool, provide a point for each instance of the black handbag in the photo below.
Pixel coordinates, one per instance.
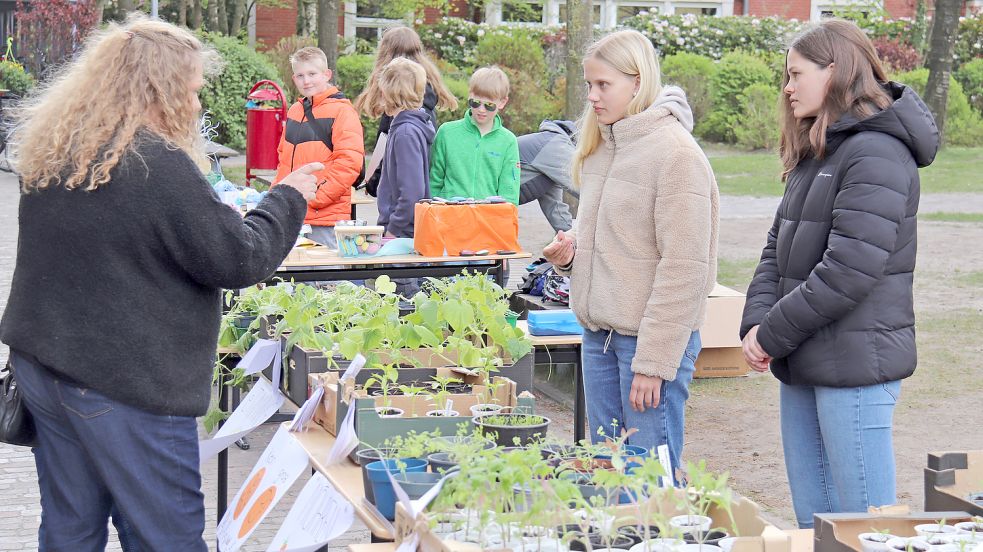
(16, 423)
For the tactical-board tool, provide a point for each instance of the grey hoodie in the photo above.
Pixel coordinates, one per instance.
(673, 98)
(547, 153)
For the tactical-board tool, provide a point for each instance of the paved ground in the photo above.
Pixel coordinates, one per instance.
(19, 508)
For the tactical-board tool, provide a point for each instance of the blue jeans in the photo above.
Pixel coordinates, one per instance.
(838, 450)
(96, 455)
(607, 385)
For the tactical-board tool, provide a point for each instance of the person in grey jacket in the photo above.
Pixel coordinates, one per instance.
(545, 158)
(830, 307)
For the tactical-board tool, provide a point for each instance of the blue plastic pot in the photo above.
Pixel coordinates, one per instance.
(382, 488)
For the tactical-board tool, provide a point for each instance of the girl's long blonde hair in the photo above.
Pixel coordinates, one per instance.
(630, 53)
(401, 42)
(129, 76)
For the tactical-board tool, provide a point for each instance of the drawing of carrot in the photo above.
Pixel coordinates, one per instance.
(257, 511)
(247, 493)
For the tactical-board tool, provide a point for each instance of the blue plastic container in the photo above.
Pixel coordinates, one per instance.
(382, 488)
(554, 322)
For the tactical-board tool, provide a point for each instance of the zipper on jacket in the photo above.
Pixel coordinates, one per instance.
(600, 198)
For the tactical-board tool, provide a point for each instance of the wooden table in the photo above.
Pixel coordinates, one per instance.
(319, 263)
(346, 478)
(565, 349)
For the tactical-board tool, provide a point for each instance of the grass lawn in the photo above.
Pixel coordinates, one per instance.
(735, 274)
(757, 174)
(952, 217)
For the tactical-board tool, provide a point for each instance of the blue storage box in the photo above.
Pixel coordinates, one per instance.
(554, 322)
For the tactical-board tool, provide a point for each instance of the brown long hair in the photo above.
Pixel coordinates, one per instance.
(401, 42)
(855, 87)
(128, 76)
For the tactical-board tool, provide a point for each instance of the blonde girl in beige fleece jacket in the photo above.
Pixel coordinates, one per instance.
(644, 255)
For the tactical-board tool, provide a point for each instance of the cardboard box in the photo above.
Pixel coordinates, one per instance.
(338, 397)
(720, 334)
(756, 535)
(839, 532)
(950, 479)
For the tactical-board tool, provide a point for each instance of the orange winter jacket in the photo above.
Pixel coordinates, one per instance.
(343, 160)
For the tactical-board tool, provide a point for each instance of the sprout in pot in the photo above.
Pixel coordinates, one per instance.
(875, 541)
(385, 379)
(926, 530)
(513, 428)
(901, 544)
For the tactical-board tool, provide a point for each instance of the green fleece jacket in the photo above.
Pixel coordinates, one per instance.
(464, 163)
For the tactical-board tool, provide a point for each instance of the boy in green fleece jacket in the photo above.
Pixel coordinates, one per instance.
(476, 156)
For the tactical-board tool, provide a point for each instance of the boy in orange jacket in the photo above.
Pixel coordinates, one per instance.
(322, 126)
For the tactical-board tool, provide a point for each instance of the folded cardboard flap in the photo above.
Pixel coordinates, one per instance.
(951, 478)
(840, 532)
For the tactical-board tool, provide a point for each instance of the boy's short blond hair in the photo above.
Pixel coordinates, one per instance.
(402, 84)
(489, 82)
(310, 54)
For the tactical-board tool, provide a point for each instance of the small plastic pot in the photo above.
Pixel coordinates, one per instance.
(382, 488)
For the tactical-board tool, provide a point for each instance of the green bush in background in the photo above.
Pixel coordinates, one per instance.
(758, 126)
(693, 74)
(224, 96)
(964, 126)
(970, 76)
(735, 73)
(351, 75)
(14, 78)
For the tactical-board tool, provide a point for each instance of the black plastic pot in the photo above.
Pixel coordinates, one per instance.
(713, 537)
(597, 540)
(242, 322)
(442, 462)
(363, 458)
(505, 435)
(637, 532)
(976, 498)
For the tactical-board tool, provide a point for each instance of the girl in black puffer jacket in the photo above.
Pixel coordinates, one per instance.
(830, 307)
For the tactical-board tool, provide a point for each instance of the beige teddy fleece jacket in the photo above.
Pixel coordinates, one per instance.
(646, 254)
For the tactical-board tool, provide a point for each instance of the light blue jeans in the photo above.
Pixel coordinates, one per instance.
(607, 387)
(838, 449)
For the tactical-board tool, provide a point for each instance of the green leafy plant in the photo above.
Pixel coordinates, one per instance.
(758, 129)
(385, 379)
(224, 96)
(13, 77)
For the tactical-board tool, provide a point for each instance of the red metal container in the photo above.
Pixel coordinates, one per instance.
(264, 126)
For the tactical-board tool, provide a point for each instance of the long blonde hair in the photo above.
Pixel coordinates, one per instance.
(129, 76)
(856, 87)
(630, 53)
(401, 42)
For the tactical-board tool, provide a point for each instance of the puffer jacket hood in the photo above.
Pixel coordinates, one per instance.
(907, 119)
(558, 127)
(418, 118)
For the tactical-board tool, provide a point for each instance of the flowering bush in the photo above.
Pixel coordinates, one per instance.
(896, 55)
(455, 40)
(713, 36)
(13, 77)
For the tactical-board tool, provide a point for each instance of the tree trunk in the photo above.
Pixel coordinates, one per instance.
(196, 14)
(327, 29)
(238, 17)
(182, 13)
(100, 9)
(223, 17)
(945, 23)
(211, 21)
(579, 34)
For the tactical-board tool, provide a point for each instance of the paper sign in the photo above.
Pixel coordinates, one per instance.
(663, 452)
(415, 507)
(319, 516)
(283, 461)
(258, 357)
(346, 441)
(306, 412)
(262, 401)
(354, 368)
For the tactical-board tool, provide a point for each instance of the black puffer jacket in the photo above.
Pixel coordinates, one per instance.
(833, 290)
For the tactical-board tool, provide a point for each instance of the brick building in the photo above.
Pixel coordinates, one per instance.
(273, 23)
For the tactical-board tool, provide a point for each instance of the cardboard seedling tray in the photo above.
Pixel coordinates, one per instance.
(840, 532)
(744, 521)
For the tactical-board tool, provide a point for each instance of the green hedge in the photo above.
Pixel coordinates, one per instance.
(970, 76)
(693, 74)
(224, 96)
(964, 126)
(13, 77)
(352, 75)
(735, 73)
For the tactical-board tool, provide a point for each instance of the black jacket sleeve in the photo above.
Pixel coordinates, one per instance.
(868, 209)
(211, 242)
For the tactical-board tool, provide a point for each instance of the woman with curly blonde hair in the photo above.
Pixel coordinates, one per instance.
(399, 42)
(114, 309)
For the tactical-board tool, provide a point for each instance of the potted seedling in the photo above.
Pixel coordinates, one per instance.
(513, 428)
(875, 541)
(411, 459)
(974, 529)
(385, 379)
(491, 406)
(705, 491)
(902, 544)
(926, 530)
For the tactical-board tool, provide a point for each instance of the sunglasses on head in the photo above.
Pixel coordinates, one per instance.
(475, 104)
